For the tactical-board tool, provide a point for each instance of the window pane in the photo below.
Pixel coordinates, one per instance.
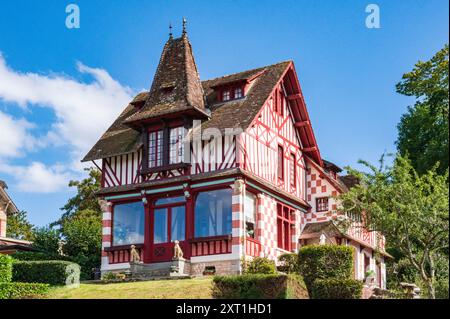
(155, 142)
(177, 229)
(250, 207)
(213, 213)
(170, 200)
(128, 224)
(176, 145)
(160, 226)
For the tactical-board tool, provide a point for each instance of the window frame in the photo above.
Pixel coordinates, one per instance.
(293, 170)
(280, 164)
(323, 209)
(284, 240)
(113, 218)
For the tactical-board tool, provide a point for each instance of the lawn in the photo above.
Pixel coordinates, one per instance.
(157, 289)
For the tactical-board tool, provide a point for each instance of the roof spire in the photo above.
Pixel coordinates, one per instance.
(170, 31)
(184, 25)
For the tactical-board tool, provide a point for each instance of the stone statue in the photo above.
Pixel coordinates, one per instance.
(322, 239)
(177, 252)
(134, 255)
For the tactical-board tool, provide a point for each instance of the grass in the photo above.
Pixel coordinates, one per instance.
(199, 288)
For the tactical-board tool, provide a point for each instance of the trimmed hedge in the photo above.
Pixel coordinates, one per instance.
(335, 288)
(6, 266)
(21, 290)
(53, 272)
(260, 265)
(259, 286)
(325, 261)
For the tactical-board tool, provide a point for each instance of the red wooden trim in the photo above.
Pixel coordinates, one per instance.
(211, 238)
(122, 247)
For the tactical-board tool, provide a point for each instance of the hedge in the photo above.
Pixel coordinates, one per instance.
(334, 288)
(259, 265)
(325, 261)
(259, 286)
(288, 263)
(21, 290)
(53, 272)
(6, 263)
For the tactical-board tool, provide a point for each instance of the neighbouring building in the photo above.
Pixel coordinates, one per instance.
(7, 206)
(229, 167)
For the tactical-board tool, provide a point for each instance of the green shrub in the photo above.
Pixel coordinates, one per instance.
(259, 286)
(260, 265)
(36, 255)
(334, 288)
(21, 290)
(6, 263)
(53, 272)
(288, 263)
(441, 288)
(325, 261)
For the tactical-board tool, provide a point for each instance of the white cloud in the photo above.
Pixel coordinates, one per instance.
(83, 112)
(14, 136)
(37, 177)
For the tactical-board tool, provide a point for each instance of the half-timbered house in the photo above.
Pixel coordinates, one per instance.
(229, 167)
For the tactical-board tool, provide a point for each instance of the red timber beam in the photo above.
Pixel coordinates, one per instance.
(297, 96)
(309, 149)
(302, 124)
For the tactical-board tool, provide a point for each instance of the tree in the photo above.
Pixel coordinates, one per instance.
(19, 227)
(85, 197)
(423, 131)
(411, 210)
(82, 234)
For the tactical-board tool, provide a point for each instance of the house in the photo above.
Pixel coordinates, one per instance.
(229, 167)
(7, 206)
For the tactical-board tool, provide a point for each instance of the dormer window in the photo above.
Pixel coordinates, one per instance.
(237, 93)
(226, 95)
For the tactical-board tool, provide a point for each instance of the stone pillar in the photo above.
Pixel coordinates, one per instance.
(238, 236)
(106, 231)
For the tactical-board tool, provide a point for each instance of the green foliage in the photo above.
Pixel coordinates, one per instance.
(85, 199)
(19, 227)
(36, 255)
(113, 276)
(260, 265)
(325, 261)
(441, 286)
(53, 272)
(21, 290)
(337, 288)
(288, 263)
(47, 240)
(6, 263)
(410, 209)
(82, 233)
(423, 131)
(259, 286)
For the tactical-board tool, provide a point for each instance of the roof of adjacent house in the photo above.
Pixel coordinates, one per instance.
(5, 199)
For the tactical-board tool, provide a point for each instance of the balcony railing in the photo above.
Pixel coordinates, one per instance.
(121, 254)
(210, 246)
(252, 247)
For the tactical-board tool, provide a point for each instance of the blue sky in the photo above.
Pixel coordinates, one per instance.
(59, 87)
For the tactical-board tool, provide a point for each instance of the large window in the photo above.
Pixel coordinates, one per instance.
(213, 213)
(128, 224)
(176, 145)
(169, 220)
(155, 148)
(285, 224)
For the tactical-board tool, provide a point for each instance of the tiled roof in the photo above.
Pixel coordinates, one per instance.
(121, 139)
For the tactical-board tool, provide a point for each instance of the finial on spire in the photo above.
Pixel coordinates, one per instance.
(170, 31)
(184, 25)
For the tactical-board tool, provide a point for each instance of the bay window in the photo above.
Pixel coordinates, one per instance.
(128, 224)
(212, 216)
(166, 147)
